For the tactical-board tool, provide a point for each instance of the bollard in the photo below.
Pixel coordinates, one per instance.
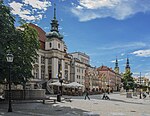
(59, 98)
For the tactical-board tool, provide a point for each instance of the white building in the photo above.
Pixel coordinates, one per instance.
(80, 62)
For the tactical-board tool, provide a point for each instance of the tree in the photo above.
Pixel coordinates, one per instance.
(22, 42)
(25, 52)
(7, 30)
(128, 81)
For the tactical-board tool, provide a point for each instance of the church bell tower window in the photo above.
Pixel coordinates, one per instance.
(50, 45)
(59, 45)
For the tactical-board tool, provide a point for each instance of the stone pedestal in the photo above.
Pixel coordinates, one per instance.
(33, 94)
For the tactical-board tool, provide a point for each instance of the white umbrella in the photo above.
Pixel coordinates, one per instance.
(74, 84)
(57, 83)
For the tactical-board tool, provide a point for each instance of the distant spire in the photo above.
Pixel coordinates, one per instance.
(54, 11)
(127, 65)
(116, 66)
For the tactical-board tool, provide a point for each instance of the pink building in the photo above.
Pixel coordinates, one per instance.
(110, 80)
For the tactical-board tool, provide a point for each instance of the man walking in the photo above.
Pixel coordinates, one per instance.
(87, 94)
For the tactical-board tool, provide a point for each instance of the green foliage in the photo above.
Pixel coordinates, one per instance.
(7, 30)
(25, 49)
(23, 43)
(128, 80)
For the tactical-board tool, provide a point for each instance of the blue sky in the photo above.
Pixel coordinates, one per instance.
(103, 29)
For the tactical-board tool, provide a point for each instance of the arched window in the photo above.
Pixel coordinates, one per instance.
(59, 45)
(50, 45)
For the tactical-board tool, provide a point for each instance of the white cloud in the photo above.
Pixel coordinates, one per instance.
(37, 4)
(94, 4)
(142, 53)
(30, 10)
(113, 61)
(124, 46)
(118, 9)
(122, 54)
(17, 10)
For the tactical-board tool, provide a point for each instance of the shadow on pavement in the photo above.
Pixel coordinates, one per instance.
(124, 101)
(38, 109)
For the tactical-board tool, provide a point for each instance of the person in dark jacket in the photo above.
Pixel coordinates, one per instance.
(105, 96)
(87, 94)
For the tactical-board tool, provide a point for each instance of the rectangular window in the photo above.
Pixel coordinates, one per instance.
(66, 65)
(42, 72)
(42, 60)
(49, 61)
(36, 72)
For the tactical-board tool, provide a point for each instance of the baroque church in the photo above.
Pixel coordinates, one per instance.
(53, 62)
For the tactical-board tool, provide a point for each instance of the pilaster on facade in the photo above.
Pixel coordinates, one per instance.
(55, 68)
(39, 68)
(63, 68)
(46, 69)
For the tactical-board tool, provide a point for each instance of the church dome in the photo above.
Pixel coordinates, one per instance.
(54, 34)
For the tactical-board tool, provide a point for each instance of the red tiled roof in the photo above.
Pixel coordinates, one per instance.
(104, 68)
(41, 35)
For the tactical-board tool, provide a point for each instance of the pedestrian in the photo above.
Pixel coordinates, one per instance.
(144, 95)
(105, 96)
(87, 94)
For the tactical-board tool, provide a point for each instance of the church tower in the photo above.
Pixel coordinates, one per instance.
(116, 66)
(127, 68)
(56, 50)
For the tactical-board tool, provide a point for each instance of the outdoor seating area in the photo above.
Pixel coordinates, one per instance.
(73, 89)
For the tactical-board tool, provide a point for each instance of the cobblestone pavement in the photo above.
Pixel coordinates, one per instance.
(118, 105)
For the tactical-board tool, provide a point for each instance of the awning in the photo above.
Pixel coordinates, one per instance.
(57, 83)
(74, 85)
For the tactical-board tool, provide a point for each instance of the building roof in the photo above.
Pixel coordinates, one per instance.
(41, 32)
(105, 68)
(41, 35)
(80, 53)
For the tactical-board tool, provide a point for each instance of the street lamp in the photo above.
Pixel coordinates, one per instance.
(140, 86)
(61, 81)
(9, 58)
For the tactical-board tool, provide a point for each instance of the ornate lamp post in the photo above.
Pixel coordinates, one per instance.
(9, 58)
(61, 81)
(140, 86)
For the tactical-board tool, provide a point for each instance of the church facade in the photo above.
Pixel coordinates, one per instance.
(53, 62)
